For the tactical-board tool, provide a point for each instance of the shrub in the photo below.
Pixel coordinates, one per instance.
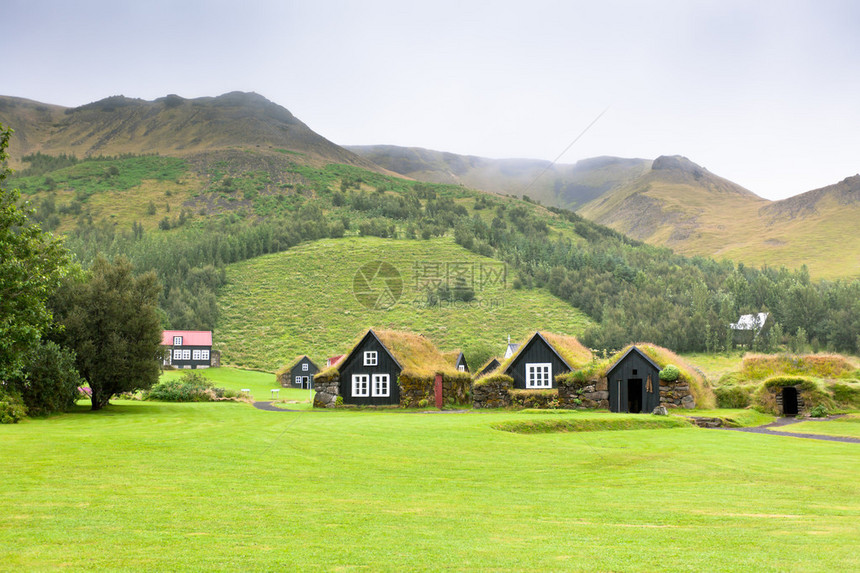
(12, 409)
(732, 397)
(818, 411)
(670, 373)
(51, 380)
(191, 387)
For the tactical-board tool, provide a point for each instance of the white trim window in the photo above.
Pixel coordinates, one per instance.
(371, 358)
(177, 354)
(539, 375)
(204, 355)
(177, 341)
(304, 367)
(195, 354)
(300, 380)
(461, 368)
(381, 385)
(360, 385)
(186, 354)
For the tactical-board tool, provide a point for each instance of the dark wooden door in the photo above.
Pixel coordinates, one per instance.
(634, 395)
(789, 401)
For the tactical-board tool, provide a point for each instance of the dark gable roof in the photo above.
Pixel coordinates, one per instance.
(640, 353)
(298, 359)
(567, 348)
(362, 342)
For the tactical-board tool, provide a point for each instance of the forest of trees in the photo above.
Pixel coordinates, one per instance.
(633, 291)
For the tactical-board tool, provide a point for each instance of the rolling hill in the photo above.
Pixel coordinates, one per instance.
(303, 301)
(670, 202)
(171, 125)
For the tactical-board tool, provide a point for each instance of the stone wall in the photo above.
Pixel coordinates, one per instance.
(327, 390)
(492, 391)
(579, 394)
(676, 394)
(420, 392)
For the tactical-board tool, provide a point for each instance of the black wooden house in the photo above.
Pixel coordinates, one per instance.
(298, 374)
(369, 373)
(633, 383)
(536, 363)
(187, 348)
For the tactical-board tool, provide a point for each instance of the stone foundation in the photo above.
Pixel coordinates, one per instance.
(676, 395)
(492, 392)
(327, 391)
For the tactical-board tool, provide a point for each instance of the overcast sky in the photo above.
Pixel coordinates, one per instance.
(766, 94)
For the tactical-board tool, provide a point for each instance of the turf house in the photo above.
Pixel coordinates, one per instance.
(392, 368)
(528, 377)
(298, 374)
(633, 383)
(187, 348)
(637, 379)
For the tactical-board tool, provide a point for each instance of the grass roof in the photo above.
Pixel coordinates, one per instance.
(568, 347)
(699, 387)
(415, 353)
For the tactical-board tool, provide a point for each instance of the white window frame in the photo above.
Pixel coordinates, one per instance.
(304, 367)
(461, 368)
(539, 375)
(204, 355)
(371, 358)
(186, 354)
(361, 385)
(381, 386)
(177, 341)
(195, 354)
(177, 354)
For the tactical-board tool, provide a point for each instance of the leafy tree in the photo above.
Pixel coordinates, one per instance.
(111, 321)
(32, 263)
(50, 382)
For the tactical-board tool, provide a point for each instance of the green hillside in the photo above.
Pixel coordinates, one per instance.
(302, 301)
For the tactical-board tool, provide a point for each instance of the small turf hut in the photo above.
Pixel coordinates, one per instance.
(391, 368)
(488, 366)
(633, 383)
(298, 373)
(529, 377)
(639, 378)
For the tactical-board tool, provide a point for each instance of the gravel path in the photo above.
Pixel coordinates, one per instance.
(780, 422)
(268, 407)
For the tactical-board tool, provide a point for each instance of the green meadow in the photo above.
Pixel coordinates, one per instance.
(302, 301)
(224, 486)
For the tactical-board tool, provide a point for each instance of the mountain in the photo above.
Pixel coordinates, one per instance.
(670, 201)
(560, 185)
(171, 125)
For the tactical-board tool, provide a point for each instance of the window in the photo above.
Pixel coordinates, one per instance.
(539, 375)
(177, 341)
(186, 354)
(370, 358)
(381, 387)
(360, 385)
(177, 355)
(204, 355)
(195, 355)
(300, 380)
(305, 367)
(461, 368)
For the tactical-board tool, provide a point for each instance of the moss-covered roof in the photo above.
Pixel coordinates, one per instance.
(662, 357)
(416, 354)
(292, 363)
(568, 348)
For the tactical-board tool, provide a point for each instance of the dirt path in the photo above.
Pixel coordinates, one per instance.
(268, 407)
(780, 422)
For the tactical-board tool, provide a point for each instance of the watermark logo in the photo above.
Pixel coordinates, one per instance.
(377, 285)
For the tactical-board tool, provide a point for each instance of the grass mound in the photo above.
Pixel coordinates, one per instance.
(552, 425)
(761, 366)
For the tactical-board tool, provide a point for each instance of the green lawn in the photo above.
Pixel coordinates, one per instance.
(302, 301)
(259, 383)
(223, 486)
(848, 426)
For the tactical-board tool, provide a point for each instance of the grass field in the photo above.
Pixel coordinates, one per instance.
(223, 486)
(302, 301)
(259, 383)
(848, 426)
